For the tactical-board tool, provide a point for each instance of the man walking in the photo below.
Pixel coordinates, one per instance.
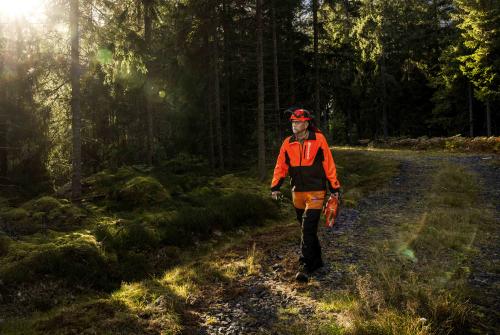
(306, 157)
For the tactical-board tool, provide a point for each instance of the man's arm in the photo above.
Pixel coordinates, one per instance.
(329, 167)
(280, 170)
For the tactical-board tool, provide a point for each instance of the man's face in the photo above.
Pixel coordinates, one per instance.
(299, 126)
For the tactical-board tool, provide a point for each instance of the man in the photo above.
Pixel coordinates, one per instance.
(308, 159)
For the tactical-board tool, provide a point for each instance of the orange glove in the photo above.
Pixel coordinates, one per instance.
(331, 210)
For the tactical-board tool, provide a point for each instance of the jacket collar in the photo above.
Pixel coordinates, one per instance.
(311, 136)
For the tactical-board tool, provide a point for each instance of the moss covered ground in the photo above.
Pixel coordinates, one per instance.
(104, 264)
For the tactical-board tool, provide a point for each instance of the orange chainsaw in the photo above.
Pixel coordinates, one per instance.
(331, 211)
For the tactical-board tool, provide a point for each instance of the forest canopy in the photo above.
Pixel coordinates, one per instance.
(86, 85)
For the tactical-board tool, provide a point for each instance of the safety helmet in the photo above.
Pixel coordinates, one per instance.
(299, 114)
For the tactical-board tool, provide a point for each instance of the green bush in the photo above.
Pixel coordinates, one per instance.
(76, 262)
(43, 204)
(222, 213)
(42, 213)
(184, 163)
(134, 265)
(17, 221)
(128, 236)
(4, 244)
(142, 191)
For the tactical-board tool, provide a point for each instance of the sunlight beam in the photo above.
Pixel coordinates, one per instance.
(30, 10)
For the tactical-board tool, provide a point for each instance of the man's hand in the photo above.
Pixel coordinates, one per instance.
(335, 195)
(275, 195)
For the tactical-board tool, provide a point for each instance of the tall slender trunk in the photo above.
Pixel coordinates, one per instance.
(148, 21)
(316, 62)
(275, 69)
(260, 96)
(488, 118)
(76, 186)
(211, 143)
(291, 55)
(3, 130)
(227, 83)
(471, 115)
(210, 110)
(347, 29)
(218, 122)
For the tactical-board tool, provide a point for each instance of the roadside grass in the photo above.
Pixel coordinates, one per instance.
(455, 143)
(361, 173)
(416, 282)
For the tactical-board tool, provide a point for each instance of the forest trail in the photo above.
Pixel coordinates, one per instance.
(270, 302)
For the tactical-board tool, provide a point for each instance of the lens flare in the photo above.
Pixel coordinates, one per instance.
(28, 9)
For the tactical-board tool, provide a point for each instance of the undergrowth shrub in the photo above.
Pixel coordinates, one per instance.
(142, 191)
(109, 316)
(76, 262)
(454, 143)
(126, 236)
(42, 213)
(133, 265)
(4, 244)
(222, 213)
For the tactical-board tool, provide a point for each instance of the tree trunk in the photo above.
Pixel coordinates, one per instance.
(148, 21)
(471, 115)
(275, 70)
(227, 83)
(3, 132)
(76, 186)
(291, 54)
(210, 110)
(260, 96)
(218, 123)
(488, 118)
(316, 62)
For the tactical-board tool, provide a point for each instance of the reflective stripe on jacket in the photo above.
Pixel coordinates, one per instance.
(309, 164)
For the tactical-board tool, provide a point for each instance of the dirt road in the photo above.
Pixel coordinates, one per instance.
(270, 302)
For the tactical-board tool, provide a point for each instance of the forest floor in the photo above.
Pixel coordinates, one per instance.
(413, 251)
(346, 296)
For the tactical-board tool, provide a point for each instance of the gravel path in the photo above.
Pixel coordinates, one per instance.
(263, 298)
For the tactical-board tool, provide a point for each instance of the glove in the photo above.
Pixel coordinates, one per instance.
(276, 195)
(331, 210)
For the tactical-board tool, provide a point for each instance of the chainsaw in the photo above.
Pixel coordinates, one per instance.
(331, 210)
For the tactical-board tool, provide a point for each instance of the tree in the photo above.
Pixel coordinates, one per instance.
(148, 22)
(260, 95)
(275, 67)
(479, 23)
(317, 105)
(76, 186)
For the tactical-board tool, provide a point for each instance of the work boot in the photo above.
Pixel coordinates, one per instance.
(302, 276)
(316, 267)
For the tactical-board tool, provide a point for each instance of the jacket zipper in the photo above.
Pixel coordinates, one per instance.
(300, 165)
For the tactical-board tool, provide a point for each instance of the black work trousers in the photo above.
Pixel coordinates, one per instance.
(309, 242)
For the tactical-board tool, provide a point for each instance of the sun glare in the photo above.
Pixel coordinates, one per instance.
(27, 9)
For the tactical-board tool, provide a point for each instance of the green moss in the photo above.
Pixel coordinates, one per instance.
(3, 202)
(4, 244)
(103, 316)
(17, 221)
(75, 259)
(43, 204)
(220, 213)
(143, 191)
(39, 214)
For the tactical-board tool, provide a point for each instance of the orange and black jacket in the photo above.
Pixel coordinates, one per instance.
(309, 164)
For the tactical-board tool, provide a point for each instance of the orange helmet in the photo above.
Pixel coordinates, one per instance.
(300, 114)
